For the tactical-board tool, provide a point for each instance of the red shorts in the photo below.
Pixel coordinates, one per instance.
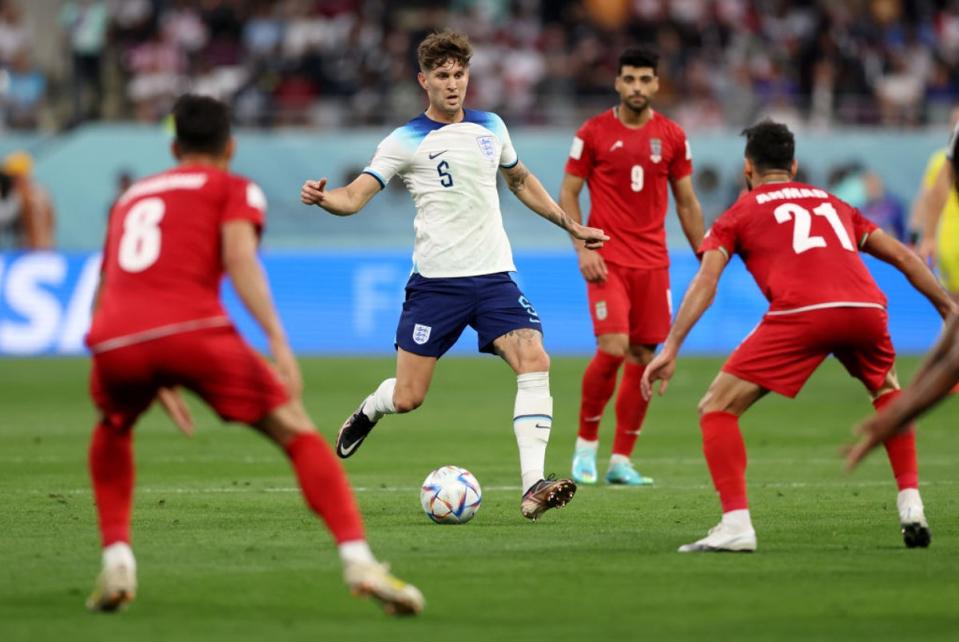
(633, 301)
(216, 364)
(784, 350)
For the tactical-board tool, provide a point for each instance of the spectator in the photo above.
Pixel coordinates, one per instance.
(85, 25)
(882, 208)
(26, 212)
(14, 36)
(25, 93)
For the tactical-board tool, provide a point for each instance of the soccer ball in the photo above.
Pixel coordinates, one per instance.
(450, 495)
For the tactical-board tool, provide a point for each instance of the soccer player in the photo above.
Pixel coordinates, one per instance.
(936, 378)
(448, 158)
(158, 323)
(802, 246)
(627, 155)
(937, 213)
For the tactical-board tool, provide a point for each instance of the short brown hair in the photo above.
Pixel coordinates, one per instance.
(442, 46)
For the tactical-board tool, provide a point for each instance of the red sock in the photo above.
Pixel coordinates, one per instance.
(901, 449)
(630, 409)
(726, 456)
(325, 486)
(599, 381)
(112, 472)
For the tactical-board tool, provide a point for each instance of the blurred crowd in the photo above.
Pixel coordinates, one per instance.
(816, 63)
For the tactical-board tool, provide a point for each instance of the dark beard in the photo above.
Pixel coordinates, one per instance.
(638, 111)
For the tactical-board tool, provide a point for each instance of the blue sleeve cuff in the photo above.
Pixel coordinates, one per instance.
(379, 179)
(511, 165)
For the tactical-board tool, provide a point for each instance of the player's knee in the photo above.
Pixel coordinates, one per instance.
(615, 345)
(533, 361)
(407, 401)
(642, 353)
(709, 403)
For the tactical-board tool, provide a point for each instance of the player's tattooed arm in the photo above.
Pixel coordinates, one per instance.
(533, 195)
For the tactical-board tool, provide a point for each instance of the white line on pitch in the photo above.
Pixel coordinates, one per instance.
(412, 489)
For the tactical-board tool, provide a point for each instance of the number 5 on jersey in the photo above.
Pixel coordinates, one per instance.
(140, 242)
(443, 169)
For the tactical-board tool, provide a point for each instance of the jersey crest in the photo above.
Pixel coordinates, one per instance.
(487, 145)
(655, 150)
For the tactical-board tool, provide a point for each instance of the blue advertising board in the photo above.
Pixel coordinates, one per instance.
(349, 303)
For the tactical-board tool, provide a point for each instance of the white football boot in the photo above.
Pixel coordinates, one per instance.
(373, 579)
(912, 520)
(117, 582)
(722, 538)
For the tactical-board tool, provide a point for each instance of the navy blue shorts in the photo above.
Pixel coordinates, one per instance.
(436, 312)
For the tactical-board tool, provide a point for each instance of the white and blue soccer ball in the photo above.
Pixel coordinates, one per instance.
(450, 495)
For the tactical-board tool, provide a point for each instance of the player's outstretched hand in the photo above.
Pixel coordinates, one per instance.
(177, 409)
(313, 192)
(592, 237)
(661, 368)
(871, 432)
(592, 266)
(927, 251)
(287, 367)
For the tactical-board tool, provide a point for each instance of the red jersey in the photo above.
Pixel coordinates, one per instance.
(162, 262)
(627, 171)
(801, 244)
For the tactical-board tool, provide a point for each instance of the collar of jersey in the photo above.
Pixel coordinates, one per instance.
(423, 124)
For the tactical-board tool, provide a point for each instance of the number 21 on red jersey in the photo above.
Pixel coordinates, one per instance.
(802, 225)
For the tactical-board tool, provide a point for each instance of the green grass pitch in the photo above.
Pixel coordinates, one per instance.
(228, 551)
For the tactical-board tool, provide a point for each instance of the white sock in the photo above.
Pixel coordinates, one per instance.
(118, 554)
(617, 459)
(356, 552)
(738, 519)
(908, 499)
(380, 402)
(532, 421)
(586, 444)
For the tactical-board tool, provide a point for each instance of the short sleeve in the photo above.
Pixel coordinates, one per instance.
(931, 173)
(245, 201)
(951, 151)
(581, 156)
(391, 157)
(681, 164)
(862, 227)
(721, 236)
(507, 156)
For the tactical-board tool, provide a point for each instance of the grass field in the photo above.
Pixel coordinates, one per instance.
(227, 551)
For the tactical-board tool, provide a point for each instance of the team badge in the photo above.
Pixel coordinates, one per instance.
(421, 334)
(487, 145)
(601, 310)
(655, 150)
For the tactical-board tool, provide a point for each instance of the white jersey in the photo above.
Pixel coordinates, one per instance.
(450, 171)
